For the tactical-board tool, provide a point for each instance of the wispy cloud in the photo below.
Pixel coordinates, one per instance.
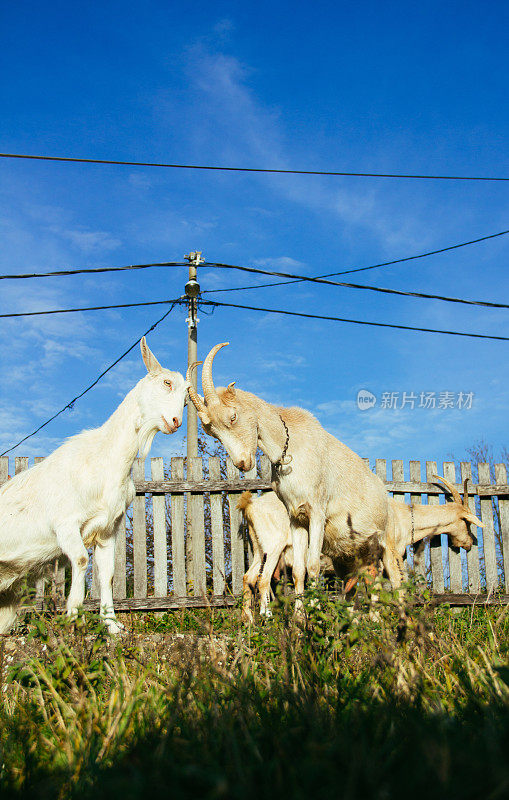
(240, 129)
(85, 240)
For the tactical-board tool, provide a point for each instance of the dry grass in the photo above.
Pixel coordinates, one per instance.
(362, 700)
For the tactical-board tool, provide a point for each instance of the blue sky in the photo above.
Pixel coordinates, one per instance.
(360, 87)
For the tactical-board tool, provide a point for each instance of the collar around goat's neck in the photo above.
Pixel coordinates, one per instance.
(284, 459)
(273, 434)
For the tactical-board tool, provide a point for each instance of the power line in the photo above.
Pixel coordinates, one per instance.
(91, 386)
(252, 169)
(376, 266)
(149, 265)
(214, 304)
(61, 272)
(183, 299)
(92, 308)
(354, 321)
(300, 278)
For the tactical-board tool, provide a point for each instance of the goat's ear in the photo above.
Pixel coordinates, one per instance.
(470, 517)
(152, 364)
(229, 392)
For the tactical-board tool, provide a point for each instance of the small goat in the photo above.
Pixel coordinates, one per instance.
(269, 531)
(268, 526)
(327, 484)
(76, 497)
(416, 522)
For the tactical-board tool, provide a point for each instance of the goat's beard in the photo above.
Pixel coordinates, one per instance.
(146, 435)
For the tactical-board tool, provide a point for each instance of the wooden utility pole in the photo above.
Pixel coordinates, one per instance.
(192, 292)
(193, 523)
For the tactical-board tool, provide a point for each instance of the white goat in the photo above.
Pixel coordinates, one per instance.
(318, 478)
(76, 497)
(270, 534)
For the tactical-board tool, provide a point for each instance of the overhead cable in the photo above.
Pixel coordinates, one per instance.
(150, 265)
(381, 264)
(301, 278)
(354, 321)
(116, 162)
(79, 271)
(183, 300)
(91, 308)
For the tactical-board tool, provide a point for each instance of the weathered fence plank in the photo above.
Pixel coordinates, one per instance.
(178, 543)
(397, 478)
(139, 535)
(474, 573)
(120, 573)
(183, 486)
(399, 497)
(265, 473)
(488, 533)
(435, 545)
(503, 523)
(217, 531)
(4, 469)
(159, 521)
(419, 551)
(381, 469)
(454, 555)
(94, 588)
(237, 542)
(195, 524)
(160, 603)
(20, 464)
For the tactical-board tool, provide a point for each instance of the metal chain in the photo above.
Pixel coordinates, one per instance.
(285, 448)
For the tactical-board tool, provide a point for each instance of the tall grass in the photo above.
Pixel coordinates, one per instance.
(361, 699)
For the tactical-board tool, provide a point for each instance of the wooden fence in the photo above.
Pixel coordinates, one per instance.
(183, 543)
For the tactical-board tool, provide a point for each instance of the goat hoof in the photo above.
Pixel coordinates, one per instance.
(114, 627)
(299, 612)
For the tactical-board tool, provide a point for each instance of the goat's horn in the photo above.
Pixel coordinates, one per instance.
(452, 489)
(193, 394)
(209, 390)
(191, 368)
(465, 493)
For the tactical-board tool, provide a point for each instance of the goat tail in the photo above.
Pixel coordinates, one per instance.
(244, 502)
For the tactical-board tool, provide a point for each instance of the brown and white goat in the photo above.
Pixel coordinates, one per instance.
(454, 519)
(269, 531)
(315, 475)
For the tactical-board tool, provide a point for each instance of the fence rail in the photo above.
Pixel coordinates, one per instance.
(182, 542)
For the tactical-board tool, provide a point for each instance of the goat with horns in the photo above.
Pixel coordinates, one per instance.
(76, 497)
(325, 486)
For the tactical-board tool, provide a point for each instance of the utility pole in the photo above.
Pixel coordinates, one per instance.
(192, 292)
